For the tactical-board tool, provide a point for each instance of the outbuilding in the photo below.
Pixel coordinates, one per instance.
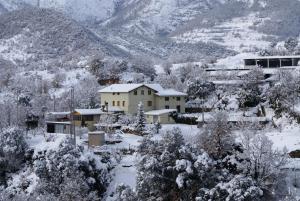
(162, 116)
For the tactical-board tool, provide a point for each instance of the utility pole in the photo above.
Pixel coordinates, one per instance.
(38, 3)
(72, 110)
(54, 103)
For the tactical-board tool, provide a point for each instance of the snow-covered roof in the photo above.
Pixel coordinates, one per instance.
(58, 113)
(170, 92)
(160, 112)
(59, 122)
(89, 111)
(124, 88)
(228, 82)
(114, 109)
(275, 57)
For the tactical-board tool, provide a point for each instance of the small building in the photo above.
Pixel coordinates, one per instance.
(153, 96)
(87, 117)
(162, 116)
(96, 139)
(58, 127)
(272, 61)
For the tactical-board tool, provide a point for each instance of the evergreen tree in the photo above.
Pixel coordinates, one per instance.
(141, 120)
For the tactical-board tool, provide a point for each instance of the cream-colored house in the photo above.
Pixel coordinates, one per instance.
(153, 96)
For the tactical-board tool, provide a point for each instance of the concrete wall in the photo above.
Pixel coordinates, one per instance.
(96, 139)
(110, 97)
(134, 100)
(163, 119)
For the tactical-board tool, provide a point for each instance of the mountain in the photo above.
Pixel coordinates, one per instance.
(43, 37)
(168, 28)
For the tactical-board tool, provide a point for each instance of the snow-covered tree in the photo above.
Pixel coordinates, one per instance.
(140, 124)
(290, 44)
(157, 127)
(171, 170)
(251, 94)
(262, 162)
(68, 176)
(12, 151)
(125, 193)
(240, 188)
(200, 89)
(217, 139)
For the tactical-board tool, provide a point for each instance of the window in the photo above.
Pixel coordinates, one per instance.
(113, 103)
(118, 93)
(167, 98)
(123, 103)
(114, 93)
(76, 117)
(178, 98)
(149, 92)
(118, 103)
(178, 108)
(142, 92)
(135, 92)
(167, 107)
(149, 103)
(88, 118)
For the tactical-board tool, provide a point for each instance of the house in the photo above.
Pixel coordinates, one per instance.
(163, 116)
(153, 96)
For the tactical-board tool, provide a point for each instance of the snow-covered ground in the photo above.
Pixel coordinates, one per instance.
(235, 34)
(123, 173)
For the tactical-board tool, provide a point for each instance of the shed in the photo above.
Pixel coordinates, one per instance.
(96, 139)
(58, 127)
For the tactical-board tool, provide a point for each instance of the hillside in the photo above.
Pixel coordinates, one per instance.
(42, 37)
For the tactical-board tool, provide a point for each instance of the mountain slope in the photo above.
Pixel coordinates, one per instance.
(42, 36)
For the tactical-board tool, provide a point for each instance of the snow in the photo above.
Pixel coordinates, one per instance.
(120, 88)
(89, 111)
(78, 9)
(125, 88)
(288, 137)
(48, 142)
(160, 112)
(14, 49)
(235, 34)
(170, 92)
(124, 173)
